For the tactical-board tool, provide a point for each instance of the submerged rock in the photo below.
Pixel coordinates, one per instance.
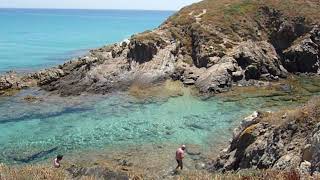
(96, 172)
(31, 99)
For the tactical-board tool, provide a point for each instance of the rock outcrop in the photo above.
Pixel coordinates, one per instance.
(111, 68)
(210, 45)
(304, 55)
(14, 81)
(283, 140)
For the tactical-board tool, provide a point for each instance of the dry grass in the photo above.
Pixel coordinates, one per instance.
(31, 172)
(245, 175)
(224, 11)
(238, 19)
(309, 112)
(38, 172)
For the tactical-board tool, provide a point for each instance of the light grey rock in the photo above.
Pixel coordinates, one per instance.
(217, 78)
(189, 82)
(287, 162)
(305, 168)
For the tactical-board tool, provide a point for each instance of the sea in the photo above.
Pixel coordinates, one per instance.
(33, 132)
(32, 39)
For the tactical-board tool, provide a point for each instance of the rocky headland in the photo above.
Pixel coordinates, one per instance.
(214, 46)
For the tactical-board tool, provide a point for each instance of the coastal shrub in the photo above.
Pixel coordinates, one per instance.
(148, 37)
(309, 112)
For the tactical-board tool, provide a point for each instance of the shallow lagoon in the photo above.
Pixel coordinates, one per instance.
(35, 131)
(113, 120)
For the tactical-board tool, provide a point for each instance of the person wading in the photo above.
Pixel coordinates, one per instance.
(180, 156)
(56, 162)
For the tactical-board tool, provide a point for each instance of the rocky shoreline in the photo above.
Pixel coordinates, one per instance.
(285, 140)
(214, 59)
(257, 42)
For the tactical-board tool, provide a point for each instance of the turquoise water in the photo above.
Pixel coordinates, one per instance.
(31, 39)
(35, 131)
(68, 125)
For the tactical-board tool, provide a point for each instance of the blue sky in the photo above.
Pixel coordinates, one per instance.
(98, 4)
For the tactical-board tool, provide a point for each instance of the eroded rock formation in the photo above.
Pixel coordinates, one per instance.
(282, 140)
(208, 44)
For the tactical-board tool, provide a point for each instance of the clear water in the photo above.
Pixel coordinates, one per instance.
(82, 123)
(32, 132)
(33, 38)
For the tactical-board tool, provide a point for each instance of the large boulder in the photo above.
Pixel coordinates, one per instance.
(217, 78)
(304, 55)
(258, 59)
(143, 47)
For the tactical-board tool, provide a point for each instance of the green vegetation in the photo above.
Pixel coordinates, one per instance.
(239, 9)
(218, 9)
(148, 37)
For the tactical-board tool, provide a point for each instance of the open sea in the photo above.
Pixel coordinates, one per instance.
(31, 39)
(34, 132)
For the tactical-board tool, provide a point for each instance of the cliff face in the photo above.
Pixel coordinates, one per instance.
(212, 45)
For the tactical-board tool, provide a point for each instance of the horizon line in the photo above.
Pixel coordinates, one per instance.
(125, 9)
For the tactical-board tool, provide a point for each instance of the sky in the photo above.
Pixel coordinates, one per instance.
(98, 4)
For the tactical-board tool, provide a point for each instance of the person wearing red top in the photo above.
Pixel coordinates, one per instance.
(180, 156)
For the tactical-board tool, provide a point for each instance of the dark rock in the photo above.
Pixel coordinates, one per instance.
(256, 58)
(237, 76)
(124, 162)
(252, 72)
(304, 55)
(35, 156)
(142, 52)
(96, 172)
(30, 98)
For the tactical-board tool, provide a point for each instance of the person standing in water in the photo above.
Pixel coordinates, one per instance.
(180, 156)
(56, 162)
